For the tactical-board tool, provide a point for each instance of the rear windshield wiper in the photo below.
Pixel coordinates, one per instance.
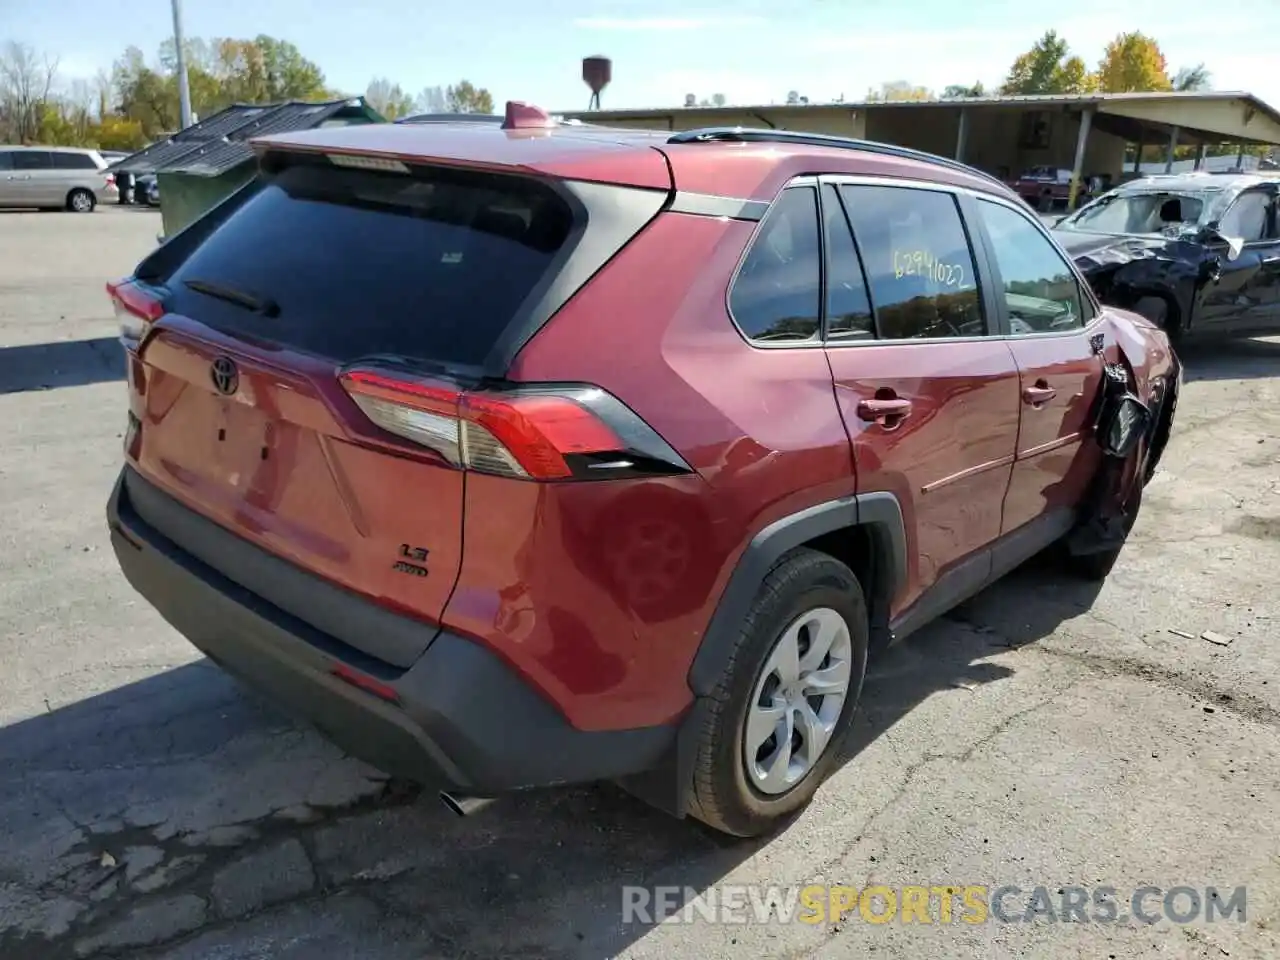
(263, 305)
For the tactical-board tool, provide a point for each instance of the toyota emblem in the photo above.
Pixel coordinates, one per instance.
(226, 378)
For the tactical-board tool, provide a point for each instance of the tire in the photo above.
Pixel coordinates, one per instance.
(80, 200)
(807, 594)
(1163, 430)
(1097, 566)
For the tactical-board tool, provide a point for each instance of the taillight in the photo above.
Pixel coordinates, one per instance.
(136, 307)
(530, 432)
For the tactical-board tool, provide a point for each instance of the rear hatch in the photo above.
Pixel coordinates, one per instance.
(248, 326)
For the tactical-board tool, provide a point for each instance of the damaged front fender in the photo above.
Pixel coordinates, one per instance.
(1124, 427)
(1123, 271)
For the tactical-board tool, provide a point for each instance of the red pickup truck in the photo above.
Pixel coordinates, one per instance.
(1046, 188)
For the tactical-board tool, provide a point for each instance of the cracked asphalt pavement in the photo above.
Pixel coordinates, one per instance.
(1046, 733)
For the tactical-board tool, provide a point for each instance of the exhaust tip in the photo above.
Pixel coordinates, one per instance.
(464, 806)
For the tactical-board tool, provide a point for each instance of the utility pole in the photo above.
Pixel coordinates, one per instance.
(184, 91)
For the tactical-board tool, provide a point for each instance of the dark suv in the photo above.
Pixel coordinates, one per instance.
(524, 454)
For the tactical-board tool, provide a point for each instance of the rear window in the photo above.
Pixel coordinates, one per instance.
(434, 266)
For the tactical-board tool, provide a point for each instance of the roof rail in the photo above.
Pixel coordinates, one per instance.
(749, 135)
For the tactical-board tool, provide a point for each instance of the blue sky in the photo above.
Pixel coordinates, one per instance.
(753, 52)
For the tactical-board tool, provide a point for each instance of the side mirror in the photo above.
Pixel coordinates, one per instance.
(1128, 424)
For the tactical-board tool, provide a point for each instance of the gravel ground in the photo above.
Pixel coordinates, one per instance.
(1045, 734)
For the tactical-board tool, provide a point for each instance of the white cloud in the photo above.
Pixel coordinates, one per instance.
(665, 24)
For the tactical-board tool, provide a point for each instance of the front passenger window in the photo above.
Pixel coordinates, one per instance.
(1040, 291)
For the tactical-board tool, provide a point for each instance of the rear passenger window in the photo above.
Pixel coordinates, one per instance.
(31, 160)
(918, 262)
(1040, 291)
(776, 296)
(73, 161)
(848, 308)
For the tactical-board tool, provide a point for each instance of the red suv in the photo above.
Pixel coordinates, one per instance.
(536, 453)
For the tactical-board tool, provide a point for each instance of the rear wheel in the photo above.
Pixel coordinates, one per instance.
(81, 201)
(786, 698)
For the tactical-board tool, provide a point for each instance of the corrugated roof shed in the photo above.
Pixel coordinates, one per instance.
(218, 143)
(211, 159)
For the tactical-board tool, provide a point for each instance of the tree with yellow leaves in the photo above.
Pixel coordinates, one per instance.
(900, 90)
(1133, 63)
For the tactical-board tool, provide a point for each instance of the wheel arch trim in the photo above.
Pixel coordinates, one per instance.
(879, 513)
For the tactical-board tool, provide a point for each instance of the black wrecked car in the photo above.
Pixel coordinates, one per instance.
(1197, 253)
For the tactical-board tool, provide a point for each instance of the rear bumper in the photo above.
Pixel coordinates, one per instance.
(463, 720)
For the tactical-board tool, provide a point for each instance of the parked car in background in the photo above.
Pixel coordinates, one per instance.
(480, 552)
(54, 178)
(1048, 188)
(1198, 254)
(124, 181)
(147, 190)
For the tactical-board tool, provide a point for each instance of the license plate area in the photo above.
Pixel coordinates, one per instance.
(239, 444)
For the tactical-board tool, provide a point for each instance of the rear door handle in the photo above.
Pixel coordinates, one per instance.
(1038, 395)
(883, 411)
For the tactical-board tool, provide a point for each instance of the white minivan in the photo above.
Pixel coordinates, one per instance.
(54, 178)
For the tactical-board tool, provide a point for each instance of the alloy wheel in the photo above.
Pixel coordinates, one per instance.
(797, 700)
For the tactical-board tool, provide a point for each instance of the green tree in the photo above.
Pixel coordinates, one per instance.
(145, 95)
(958, 91)
(1133, 62)
(1192, 78)
(431, 100)
(1048, 67)
(266, 70)
(220, 72)
(115, 132)
(388, 98)
(465, 97)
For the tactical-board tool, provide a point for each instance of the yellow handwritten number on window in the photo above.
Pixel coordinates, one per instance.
(922, 263)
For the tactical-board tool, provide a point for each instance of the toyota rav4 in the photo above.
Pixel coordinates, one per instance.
(522, 454)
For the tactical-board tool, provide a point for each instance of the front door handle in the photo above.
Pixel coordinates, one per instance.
(888, 411)
(1038, 395)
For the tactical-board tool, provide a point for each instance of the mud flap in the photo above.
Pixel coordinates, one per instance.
(1122, 428)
